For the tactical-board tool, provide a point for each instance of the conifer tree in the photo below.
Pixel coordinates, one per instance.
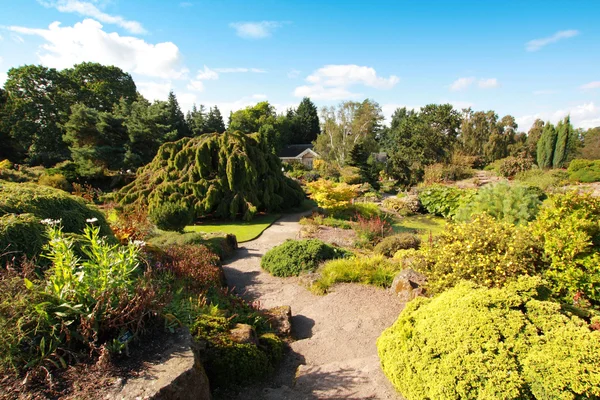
(214, 121)
(564, 131)
(545, 146)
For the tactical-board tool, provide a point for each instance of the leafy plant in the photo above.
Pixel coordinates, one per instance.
(516, 204)
(478, 343)
(510, 166)
(170, 216)
(371, 230)
(57, 181)
(444, 200)
(406, 205)
(584, 170)
(402, 241)
(296, 256)
(485, 251)
(332, 196)
(440, 173)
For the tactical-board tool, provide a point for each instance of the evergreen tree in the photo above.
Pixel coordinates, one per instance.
(565, 132)
(533, 136)
(545, 146)
(196, 120)
(305, 125)
(214, 121)
(176, 118)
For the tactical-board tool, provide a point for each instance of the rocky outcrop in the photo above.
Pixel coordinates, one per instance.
(408, 284)
(280, 319)
(243, 334)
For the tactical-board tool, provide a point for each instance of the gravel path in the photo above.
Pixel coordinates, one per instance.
(334, 356)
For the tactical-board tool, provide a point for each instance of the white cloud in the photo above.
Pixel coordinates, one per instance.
(332, 82)
(240, 70)
(586, 115)
(196, 86)
(591, 85)
(466, 82)
(488, 83)
(462, 83)
(259, 96)
(86, 41)
(537, 44)
(154, 90)
(207, 74)
(88, 9)
(16, 38)
(293, 73)
(255, 30)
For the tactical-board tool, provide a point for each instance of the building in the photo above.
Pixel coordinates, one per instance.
(302, 153)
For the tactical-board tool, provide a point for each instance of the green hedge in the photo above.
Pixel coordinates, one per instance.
(296, 256)
(402, 241)
(478, 343)
(584, 170)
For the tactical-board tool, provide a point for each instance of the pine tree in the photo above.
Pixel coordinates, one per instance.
(564, 131)
(214, 121)
(545, 146)
(305, 124)
(176, 117)
(196, 120)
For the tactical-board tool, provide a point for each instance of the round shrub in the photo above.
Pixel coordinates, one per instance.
(170, 216)
(485, 251)
(57, 181)
(444, 200)
(405, 205)
(296, 256)
(478, 343)
(20, 234)
(391, 244)
(510, 166)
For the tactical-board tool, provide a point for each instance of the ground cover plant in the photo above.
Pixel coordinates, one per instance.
(296, 256)
(472, 342)
(586, 171)
(425, 226)
(226, 176)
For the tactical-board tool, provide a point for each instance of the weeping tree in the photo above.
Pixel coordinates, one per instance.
(224, 176)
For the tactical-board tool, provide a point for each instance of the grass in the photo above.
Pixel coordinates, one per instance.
(243, 230)
(421, 225)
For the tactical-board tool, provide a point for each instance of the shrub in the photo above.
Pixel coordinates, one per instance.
(20, 235)
(332, 196)
(56, 181)
(584, 170)
(350, 175)
(371, 230)
(443, 200)
(485, 251)
(195, 264)
(516, 204)
(391, 244)
(296, 256)
(376, 270)
(440, 173)
(319, 219)
(405, 206)
(5, 164)
(220, 243)
(170, 216)
(569, 227)
(543, 179)
(510, 166)
(478, 343)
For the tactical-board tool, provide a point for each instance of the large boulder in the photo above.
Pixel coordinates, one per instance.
(408, 284)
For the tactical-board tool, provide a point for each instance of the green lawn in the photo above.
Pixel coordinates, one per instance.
(243, 231)
(421, 224)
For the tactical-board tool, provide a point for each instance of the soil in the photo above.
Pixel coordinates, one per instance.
(334, 355)
(336, 236)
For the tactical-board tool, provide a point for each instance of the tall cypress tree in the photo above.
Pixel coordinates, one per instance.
(545, 146)
(561, 151)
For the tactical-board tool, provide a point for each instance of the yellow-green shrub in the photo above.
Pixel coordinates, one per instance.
(57, 181)
(440, 173)
(485, 251)
(330, 195)
(5, 164)
(477, 343)
(351, 175)
(402, 241)
(584, 170)
(569, 227)
(375, 270)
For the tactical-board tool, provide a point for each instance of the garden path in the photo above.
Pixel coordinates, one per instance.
(334, 356)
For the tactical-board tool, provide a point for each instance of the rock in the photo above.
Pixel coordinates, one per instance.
(180, 376)
(408, 284)
(243, 334)
(280, 319)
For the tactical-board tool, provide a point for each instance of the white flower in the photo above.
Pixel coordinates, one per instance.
(51, 222)
(139, 243)
(91, 220)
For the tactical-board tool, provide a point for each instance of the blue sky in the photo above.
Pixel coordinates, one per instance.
(525, 58)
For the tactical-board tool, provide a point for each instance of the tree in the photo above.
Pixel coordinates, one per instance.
(545, 146)
(100, 86)
(533, 136)
(417, 139)
(214, 121)
(591, 144)
(177, 120)
(37, 106)
(196, 120)
(250, 119)
(305, 123)
(348, 124)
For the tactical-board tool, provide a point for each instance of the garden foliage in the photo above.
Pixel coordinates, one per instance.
(222, 175)
(478, 343)
(296, 256)
(332, 196)
(402, 241)
(444, 200)
(584, 170)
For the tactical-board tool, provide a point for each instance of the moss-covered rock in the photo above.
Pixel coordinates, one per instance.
(223, 175)
(477, 343)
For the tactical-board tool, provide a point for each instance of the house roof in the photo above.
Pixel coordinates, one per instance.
(294, 150)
